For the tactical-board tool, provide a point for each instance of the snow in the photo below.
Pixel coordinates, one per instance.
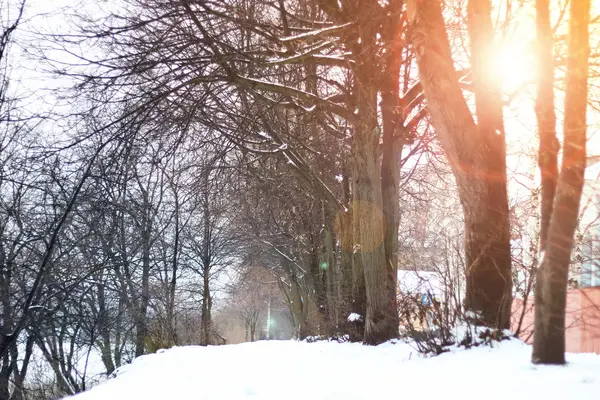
(316, 32)
(354, 317)
(271, 370)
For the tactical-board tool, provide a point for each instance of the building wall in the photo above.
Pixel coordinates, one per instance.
(582, 322)
(590, 320)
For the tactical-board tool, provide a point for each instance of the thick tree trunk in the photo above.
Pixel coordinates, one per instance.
(394, 138)
(352, 285)
(477, 157)
(367, 206)
(487, 251)
(552, 279)
(546, 116)
(489, 280)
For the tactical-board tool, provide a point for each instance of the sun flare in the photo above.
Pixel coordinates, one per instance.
(514, 66)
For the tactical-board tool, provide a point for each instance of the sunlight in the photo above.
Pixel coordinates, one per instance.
(514, 66)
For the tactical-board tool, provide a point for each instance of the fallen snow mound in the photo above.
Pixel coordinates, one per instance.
(275, 370)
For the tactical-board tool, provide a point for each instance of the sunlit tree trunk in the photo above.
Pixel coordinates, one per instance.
(546, 116)
(552, 278)
(394, 138)
(476, 155)
(489, 280)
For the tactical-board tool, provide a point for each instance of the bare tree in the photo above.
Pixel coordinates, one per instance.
(476, 152)
(552, 278)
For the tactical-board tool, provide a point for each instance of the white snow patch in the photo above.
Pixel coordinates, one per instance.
(353, 317)
(349, 371)
(265, 135)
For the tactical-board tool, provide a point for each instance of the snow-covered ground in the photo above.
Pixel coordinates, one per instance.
(292, 370)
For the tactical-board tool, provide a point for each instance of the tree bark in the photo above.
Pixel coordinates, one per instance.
(394, 138)
(546, 117)
(329, 266)
(367, 206)
(476, 155)
(352, 284)
(552, 278)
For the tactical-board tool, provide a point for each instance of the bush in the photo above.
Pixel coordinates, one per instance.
(437, 327)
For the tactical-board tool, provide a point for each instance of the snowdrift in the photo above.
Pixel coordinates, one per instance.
(275, 370)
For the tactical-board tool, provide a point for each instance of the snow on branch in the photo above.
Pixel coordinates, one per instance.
(309, 54)
(291, 92)
(315, 33)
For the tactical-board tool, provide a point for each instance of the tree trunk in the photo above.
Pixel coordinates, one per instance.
(477, 157)
(173, 282)
(296, 300)
(117, 352)
(318, 278)
(394, 138)
(206, 310)
(20, 372)
(352, 285)
(329, 266)
(142, 314)
(206, 265)
(368, 219)
(546, 116)
(5, 371)
(552, 279)
(104, 327)
(489, 280)
(5, 329)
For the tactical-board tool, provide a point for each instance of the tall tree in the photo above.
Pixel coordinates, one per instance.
(552, 276)
(476, 151)
(546, 116)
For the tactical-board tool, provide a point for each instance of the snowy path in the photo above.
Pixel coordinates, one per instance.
(318, 371)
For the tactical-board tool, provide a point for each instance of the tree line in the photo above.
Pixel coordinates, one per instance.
(215, 145)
